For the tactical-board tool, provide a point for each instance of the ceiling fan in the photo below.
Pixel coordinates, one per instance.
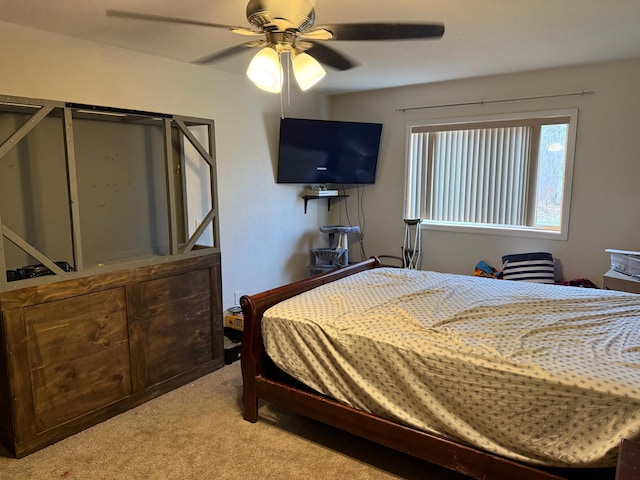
(287, 28)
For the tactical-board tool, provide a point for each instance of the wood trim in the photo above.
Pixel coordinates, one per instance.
(3, 261)
(18, 369)
(72, 182)
(214, 184)
(6, 410)
(29, 125)
(54, 291)
(20, 243)
(217, 348)
(208, 157)
(139, 375)
(209, 218)
(171, 189)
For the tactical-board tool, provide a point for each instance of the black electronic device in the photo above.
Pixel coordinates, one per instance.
(33, 271)
(328, 151)
(232, 345)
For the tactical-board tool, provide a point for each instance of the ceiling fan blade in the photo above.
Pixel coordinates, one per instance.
(382, 31)
(329, 56)
(229, 52)
(316, 34)
(183, 21)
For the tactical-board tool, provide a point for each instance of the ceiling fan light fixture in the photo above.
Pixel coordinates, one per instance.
(307, 70)
(265, 70)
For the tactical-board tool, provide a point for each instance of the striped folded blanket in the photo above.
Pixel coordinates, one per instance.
(538, 267)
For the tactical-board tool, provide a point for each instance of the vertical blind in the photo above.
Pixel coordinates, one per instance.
(477, 175)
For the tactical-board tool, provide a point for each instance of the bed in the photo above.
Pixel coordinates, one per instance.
(474, 374)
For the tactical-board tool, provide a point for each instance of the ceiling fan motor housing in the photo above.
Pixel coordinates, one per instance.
(284, 14)
(282, 41)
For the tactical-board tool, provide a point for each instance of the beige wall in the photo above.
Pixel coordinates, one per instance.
(607, 164)
(265, 235)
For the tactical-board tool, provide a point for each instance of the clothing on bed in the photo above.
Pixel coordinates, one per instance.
(539, 373)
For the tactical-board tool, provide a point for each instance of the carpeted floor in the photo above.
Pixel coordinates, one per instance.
(197, 432)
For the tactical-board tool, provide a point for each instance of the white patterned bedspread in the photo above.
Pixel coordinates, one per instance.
(543, 374)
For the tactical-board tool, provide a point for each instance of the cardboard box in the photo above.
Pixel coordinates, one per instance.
(613, 280)
(234, 320)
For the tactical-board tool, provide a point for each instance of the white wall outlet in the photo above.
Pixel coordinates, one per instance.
(236, 297)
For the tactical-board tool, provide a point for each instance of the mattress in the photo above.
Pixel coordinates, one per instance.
(542, 374)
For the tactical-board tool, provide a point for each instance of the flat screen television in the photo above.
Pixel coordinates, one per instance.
(319, 152)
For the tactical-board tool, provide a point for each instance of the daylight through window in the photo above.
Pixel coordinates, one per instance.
(509, 173)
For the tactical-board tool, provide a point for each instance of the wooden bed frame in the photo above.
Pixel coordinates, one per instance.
(263, 380)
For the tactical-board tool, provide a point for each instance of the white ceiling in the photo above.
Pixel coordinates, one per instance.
(482, 37)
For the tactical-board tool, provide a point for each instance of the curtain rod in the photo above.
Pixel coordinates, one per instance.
(484, 102)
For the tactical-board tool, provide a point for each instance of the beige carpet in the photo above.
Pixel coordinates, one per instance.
(197, 432)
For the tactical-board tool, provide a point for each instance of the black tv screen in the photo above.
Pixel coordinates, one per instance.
(328, 151)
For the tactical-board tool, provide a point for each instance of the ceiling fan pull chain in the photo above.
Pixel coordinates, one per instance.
(281, 106)
(287, 57)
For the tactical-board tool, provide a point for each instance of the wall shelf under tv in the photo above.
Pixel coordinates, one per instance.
(314, 197)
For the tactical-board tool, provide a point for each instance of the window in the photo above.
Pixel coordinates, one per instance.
(509, 173)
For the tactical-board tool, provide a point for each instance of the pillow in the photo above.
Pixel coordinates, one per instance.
(537, 267)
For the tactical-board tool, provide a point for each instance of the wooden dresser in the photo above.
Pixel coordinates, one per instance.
(76, 352)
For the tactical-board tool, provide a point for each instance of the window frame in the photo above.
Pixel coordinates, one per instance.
(411, 204)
